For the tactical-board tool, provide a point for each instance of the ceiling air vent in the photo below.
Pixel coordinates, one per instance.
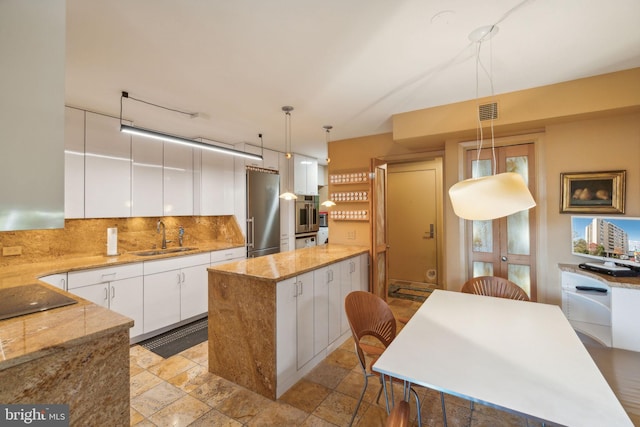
(488, 111)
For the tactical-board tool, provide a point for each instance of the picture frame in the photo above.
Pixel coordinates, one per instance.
(592, 192)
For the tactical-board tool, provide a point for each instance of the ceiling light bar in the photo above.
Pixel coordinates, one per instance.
(184, 141)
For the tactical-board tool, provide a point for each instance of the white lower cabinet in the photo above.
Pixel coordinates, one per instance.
(117, 288)
(309, 315)
(175, 289)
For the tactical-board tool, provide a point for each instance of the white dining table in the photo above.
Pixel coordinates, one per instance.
(519, 356)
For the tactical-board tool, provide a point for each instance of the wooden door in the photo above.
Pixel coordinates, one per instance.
(379, 244)
(412, 219)
(506, 246)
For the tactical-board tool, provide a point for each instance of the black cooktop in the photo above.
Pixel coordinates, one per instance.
(27, 299)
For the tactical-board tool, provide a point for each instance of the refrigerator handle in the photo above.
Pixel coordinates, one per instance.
(250, 232)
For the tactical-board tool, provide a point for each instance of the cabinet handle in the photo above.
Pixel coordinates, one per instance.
(113, 292)
(300, 286)
(106, 293)
(111, 276)
(184, 278)
(179, 281)
(63, 282)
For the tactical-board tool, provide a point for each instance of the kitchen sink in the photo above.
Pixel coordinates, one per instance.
(153, 252)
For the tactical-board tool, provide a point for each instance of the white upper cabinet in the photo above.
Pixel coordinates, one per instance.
(146, 177)
(216, 183)
(108, 168)
(305, 175)
(73, 163)
(178, 180)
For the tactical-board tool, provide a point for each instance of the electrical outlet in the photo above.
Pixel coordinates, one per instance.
(351, 235)
(12, 250)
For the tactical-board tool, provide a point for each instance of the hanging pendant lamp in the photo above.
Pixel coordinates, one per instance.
(328, 203)
(496, 195)
(288, 194)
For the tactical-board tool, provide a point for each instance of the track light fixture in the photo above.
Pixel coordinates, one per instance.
(148, 133)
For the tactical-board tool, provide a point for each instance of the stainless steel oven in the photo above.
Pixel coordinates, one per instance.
(306, 214)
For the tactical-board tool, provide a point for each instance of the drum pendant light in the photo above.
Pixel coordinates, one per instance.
(496, 195)
(288, 194)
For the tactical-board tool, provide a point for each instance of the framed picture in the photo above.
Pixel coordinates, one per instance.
(592, 192)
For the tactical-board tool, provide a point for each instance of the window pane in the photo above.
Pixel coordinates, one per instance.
(519, 165)
(520, 275)
(480, 168)
(518, 233)
(483, 236)
(482, 269)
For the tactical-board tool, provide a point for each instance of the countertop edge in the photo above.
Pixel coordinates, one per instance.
(614, 282)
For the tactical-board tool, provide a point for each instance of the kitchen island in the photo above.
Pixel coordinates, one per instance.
(273, 318)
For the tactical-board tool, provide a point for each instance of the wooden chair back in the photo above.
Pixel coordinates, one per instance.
(495, 287)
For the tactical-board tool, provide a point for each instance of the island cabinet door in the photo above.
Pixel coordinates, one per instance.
(321, 281)
(305, 318)
(336, 303)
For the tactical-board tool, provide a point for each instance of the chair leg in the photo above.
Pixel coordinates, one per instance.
(364, 389)
(444, 411)
(419, 419)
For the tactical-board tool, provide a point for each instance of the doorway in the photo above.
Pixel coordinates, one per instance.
(414, 227)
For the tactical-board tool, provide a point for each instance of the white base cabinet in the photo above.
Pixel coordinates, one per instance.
(609, 316)
(175, 289)
(117, 288)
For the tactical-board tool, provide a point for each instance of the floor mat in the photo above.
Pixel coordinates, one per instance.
(411, 290)
(179, 339)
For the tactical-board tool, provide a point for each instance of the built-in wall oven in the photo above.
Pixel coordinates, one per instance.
(307, 214)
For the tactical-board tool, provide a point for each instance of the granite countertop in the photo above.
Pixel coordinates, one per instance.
(280, 266)
(29, 337)
(615, 282)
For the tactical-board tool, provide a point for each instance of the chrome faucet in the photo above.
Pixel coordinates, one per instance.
(164, 233)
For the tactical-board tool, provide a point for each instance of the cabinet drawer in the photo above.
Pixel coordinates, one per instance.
(228, 254)
(176, 263)
(80, 278)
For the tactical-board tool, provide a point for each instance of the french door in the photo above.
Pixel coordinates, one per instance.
(504, 247)
(379, 230)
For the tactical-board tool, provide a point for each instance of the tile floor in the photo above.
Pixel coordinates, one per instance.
(179, 391)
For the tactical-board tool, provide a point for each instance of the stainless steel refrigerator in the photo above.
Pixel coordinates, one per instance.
(263, 213)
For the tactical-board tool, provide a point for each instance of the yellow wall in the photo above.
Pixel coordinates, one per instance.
(595, 126)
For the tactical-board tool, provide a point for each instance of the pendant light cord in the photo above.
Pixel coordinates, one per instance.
(479, 130)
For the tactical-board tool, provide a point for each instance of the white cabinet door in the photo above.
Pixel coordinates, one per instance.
(73, 163)
(97, 294)
(270, 159)
(146, 177)
(305, 175)
(305, 318)
(126, 298)
(216, 183)
(321, 281)
(178, 180)
(194, 292)
(286, 336)
(161, 300)
(625, 318)
(122, 296)
(107, 168)
(349, 281)
(336, 303)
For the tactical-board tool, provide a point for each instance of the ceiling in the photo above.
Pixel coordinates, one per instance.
(351, 64)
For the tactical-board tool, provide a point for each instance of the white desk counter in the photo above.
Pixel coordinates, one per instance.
(520, 356)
